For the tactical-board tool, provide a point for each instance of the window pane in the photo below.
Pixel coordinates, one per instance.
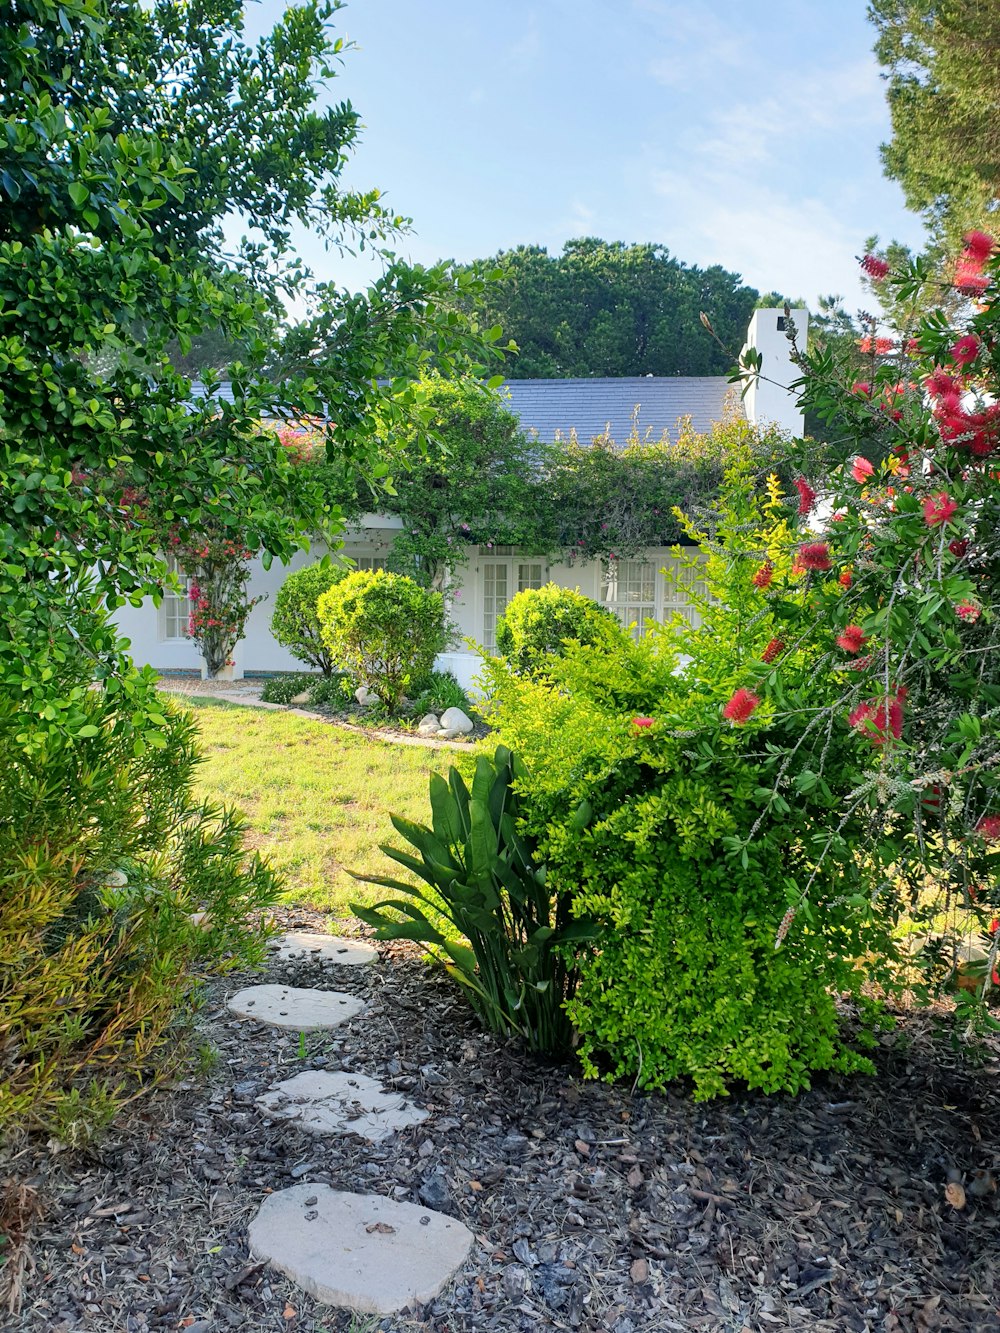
(628, 589)
(529, 576)
(175, 607)
(495, 598)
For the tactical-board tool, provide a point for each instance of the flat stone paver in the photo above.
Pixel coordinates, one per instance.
(358, 1251)
(296, 1007)
(306, 946)
(325, 1102)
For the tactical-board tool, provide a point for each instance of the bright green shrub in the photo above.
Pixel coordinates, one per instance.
(690, 838)
(485, 879)
(383, 629)
(295, 623)
(538, 623)
(105, 855)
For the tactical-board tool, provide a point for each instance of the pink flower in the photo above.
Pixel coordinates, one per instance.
(876, 268)
(814, 555)
(774, 649)
(861, 389)
(861, 470)
(807, 496)
(969, 280)
(978, 246)
(968, 611)
(642, 722)
(740, 707)
(853, 639)
(988, 828)
(764, 575)
(938, 509)
(965, 350)
(880, 346)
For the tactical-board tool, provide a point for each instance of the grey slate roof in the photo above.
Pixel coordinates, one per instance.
(589, 406)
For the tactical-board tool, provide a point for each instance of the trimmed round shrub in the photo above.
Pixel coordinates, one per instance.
(295, 624)
(383, 629)
(539, 622)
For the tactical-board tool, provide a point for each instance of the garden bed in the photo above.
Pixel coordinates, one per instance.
(593, 1207)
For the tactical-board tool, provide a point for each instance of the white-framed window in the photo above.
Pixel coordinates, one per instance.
(368, 562)
(501, 580)
(637, 591)
(175, 609)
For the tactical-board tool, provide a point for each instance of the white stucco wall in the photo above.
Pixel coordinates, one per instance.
(769, 399)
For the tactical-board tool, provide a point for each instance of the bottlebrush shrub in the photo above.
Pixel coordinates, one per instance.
(105, 856)
(383, 629)
(538, 623)
(690, 838)
(218, 566)
(295, 623)
(912, 580)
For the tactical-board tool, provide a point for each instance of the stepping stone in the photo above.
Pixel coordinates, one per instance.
(304, 946)
(358, 1251)
(328, 1103)
(296, 1007)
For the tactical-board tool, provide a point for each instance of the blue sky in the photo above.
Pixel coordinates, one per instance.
(738, 134)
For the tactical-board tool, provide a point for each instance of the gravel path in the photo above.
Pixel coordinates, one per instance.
(592, 1208)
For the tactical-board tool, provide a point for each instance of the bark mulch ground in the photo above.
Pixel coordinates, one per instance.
(593, 1207)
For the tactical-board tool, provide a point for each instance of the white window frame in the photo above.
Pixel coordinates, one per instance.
(638, 591)
(175, 607)
(518, 576)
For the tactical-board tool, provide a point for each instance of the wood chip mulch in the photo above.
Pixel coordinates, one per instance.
(593, 1208)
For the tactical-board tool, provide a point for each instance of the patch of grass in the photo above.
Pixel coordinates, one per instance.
(316, 798)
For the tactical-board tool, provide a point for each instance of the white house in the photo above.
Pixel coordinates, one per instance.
(636, 590)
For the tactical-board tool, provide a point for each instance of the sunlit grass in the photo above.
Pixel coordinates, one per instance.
(316, 798)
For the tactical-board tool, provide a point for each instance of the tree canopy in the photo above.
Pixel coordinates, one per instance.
(607, 308)
(942, 63)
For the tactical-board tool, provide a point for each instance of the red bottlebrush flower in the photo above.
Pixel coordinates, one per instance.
(931, 800)
(968, 611)
(880, 346)
(969, 279)
(939, 382)
(958, 547)
(913, 347)
(762, 579)
(814, 555)
(642, 722)
(853, 639)
(862, 470)
(876, 268)
(978, 247)
(861, 389)
(988, 828)
(966, 350)
(740, 707)
(995, 925)
(774, 649)
(807, 496)
(846, 579)
(878, 720)
(939, 509)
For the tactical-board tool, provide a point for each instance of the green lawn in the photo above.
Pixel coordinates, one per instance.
(317, 798)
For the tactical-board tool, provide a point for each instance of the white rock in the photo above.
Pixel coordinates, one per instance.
(365, 696)
(429, 720)
(453, 719)
(449, 734)
(201, 919)
(115, 879)
(427, 731)
(324, 1102)
(305, 946)
(301, 698)
(358, 1251)
(295, 1007)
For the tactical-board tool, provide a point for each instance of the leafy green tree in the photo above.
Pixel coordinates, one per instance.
(942, 62)
(133, 132)
(607, 308)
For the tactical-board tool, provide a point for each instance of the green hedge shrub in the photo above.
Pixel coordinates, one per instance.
(295, 623)
(436, 692)
(105, 855)
(700, 845)
(334, 691)
(538, 623)
(383, 629)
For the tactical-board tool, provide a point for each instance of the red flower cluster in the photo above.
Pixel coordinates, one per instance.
(958, 547)
(880, 346)
(853, 639)
(988, 828)
(764, 575)
(814, 555)
(642, 722)
(861, 470)
(774, 649)
(969, 276)
(846, 579)
(876, 268)
(807, 496)
(966, 350)
(740, 707)
(939, 509)
(968, 611)
(861, 389)
(880, 719)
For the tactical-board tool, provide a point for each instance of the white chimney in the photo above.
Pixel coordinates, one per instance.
(769, 400)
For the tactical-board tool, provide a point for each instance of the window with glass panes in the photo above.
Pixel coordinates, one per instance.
(368, 561)
(638, 590)
(501, 580)
(175, 608)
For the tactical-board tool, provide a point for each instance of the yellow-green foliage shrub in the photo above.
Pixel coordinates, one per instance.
(104, 856)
